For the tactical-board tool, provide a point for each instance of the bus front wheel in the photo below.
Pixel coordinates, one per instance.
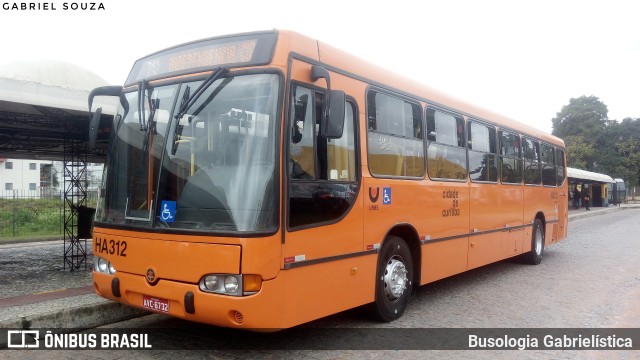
(394, 280)
(534, 257)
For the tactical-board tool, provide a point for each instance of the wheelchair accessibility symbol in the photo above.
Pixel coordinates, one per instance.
(386, 196)
(168, 211)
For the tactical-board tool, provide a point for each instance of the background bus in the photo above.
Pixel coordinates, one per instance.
(264, 180)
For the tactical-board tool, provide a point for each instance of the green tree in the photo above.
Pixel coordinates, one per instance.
(607, 159)
(627, 137)
(580, 153)
(581, 123)
(585, 116)
(596, 143)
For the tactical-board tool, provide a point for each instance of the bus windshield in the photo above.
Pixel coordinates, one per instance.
(210, 168)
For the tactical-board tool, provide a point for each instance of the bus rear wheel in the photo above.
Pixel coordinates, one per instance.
(534, 257)
(394, 280)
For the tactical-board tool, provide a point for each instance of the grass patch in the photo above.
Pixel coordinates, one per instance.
(31, 219)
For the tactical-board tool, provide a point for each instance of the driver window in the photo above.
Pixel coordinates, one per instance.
(323, 172)
(301, 147)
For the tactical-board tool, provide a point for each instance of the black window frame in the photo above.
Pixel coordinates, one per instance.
(503, 155)
(416, 105)
(530, 160)
(458, 118)
(552, 163)
(561, 166)
(495, 152)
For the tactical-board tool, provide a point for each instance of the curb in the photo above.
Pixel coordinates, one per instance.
(587, 214)
(74, 318)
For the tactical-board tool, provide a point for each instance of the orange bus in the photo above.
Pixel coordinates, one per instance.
(264, 180)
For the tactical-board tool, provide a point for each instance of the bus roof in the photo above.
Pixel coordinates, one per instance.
(334, 59)
(341, 61)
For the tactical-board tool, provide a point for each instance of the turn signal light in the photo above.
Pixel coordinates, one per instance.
(251, 284)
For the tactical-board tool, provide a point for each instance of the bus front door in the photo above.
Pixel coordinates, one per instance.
(323, 210)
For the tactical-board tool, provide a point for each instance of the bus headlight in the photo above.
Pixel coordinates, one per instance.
(230, 284)
(211, 282)
(103, 265)
(234, 285)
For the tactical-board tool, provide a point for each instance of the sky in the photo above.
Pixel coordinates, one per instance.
(523, 59)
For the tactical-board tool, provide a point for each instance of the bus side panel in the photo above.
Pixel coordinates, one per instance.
(445, 221)
(511, 213)
(443, 259)
(486, 217)
(563, 211)
(487, 248)
(436, 210)
(552, 201)
(535, 200)
(496, 215)
(541, 200)
(319, 290)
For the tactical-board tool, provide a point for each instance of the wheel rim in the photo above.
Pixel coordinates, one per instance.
(395, 279)
(538, 241)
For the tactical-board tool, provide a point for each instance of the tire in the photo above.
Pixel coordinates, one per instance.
(534, 257)
(394, 280)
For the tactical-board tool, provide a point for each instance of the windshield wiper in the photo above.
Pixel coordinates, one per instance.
(154, 104)
(142, 87)
(213, 94)
(146, 124)
(188, 102)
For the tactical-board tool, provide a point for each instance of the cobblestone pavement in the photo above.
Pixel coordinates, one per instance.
(44, 263)
(590, 280)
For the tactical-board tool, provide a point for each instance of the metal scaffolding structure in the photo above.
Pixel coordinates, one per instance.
(75, 199)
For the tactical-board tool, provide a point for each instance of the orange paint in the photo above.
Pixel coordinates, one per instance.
(312, 271)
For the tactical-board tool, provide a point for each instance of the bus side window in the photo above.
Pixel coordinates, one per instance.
(447, 156)
(560, 167)
(301, 148)
(510, 159)
(396, 145)
(483, 158)
(548, 165)
(531, 154)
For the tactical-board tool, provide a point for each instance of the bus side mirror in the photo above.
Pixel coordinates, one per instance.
(332, 120)
(333, 123)
(94, 125)
(94, 119)
(115, 91)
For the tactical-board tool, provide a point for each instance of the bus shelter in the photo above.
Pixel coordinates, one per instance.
(618, 194)
(596, 185)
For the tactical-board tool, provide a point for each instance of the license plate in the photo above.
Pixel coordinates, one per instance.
(155, 304)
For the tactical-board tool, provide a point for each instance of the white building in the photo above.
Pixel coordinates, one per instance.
(35, 178)
(26, 177)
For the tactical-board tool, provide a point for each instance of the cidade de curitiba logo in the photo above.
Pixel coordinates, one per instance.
(52, 6)
(37, 339)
